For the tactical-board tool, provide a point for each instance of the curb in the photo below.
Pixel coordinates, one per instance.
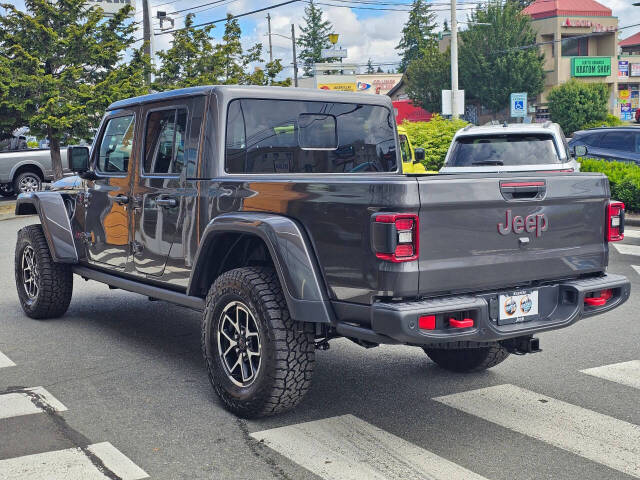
(632, 220)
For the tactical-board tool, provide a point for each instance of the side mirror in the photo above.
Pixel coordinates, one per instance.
(580, 151)
(78, 158)
(419, 154)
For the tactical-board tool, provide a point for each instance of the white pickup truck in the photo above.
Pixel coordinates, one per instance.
(24, 169)
(518, 147)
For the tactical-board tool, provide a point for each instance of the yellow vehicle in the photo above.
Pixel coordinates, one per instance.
(411, 159)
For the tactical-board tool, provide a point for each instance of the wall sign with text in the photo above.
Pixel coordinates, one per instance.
(590, 66)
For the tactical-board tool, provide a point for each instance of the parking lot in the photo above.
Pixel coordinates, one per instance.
(117, 389)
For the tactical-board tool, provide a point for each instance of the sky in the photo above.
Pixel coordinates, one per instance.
(372, 31)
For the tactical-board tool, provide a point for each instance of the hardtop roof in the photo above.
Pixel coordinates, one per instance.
(229, 92)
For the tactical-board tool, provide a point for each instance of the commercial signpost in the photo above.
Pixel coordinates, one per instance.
(519, 105)
(590, 66)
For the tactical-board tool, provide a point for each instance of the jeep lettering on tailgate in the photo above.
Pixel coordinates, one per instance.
(531, 223)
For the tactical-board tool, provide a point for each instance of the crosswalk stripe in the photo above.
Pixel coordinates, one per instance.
(32, 400)
(5, 361)
(71, 464)
(627, 249)
(636, 268)
(592, 435)
(347, 448)
(626, 373)
(631, 233)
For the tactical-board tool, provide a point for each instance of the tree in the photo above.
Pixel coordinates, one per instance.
(379, 69)
(315, 37)
(427, 76)
(370, 68)
(417, 33)
(574, 104)
(195, 59)
(498, 59)
(67, 65)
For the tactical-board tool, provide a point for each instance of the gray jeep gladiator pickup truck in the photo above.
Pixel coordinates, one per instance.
(282, 215)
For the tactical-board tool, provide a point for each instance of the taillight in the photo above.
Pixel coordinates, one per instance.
(395, 237)
(615, 221)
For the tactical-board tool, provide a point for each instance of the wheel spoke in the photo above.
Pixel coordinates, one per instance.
(239, 344)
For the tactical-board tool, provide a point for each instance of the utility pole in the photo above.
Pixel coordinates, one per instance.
(270, 47)
(295, 61)
(146, 27)
(454, 61)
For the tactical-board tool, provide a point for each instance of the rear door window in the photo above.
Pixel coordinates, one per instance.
(505, 149)
(164, 141)
(283, 136)
(617, 141)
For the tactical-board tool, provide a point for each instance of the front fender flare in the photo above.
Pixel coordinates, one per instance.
(55, 222)
(295, 263)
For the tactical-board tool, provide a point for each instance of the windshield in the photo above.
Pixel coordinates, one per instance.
(505, 149)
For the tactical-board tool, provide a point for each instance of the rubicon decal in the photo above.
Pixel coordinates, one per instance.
(536, 222)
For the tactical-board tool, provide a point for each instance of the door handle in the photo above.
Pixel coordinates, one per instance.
(121, 199)
(166, 202)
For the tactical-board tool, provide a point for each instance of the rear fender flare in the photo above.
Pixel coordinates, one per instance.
(55, 222)
(290, 251)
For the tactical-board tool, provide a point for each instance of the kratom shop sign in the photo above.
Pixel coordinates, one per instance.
(590, 66)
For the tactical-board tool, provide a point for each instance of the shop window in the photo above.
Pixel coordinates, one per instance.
(575, 47)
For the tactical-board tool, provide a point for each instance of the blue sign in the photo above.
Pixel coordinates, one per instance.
(519, 104)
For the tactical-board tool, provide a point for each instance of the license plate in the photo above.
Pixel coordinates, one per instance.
(517, 306)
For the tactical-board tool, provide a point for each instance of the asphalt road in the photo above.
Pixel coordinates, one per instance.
(127, 373)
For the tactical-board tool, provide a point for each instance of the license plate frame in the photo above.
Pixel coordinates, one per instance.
(518, 306)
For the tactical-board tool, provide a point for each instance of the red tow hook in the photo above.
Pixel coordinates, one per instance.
(599, 301)
(466, 323)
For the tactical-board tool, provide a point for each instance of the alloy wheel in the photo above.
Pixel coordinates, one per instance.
(239, 344)
(30, 275)
(29, 184)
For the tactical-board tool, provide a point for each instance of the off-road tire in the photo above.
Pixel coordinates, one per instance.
(287, 346)
(55, 280)
(32, 178)
(467, 360)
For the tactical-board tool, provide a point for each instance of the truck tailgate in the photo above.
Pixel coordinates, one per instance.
(479, 233)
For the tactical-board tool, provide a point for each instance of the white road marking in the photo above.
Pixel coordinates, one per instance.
(5, 362)
(347, 448)
(22, 403)
(626, 373)
(627, 249)
(631, 233)
(636, 268)
(594, 436)
(71, 464)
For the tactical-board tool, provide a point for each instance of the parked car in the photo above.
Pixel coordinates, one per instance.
(24, 169)
(283, 216)
(516, 147)
(411, 158)
(611, 143)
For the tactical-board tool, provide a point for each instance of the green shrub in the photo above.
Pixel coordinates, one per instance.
(435, 137)
(610, 121)
(624, 180)
(575, 104)
(32, 144)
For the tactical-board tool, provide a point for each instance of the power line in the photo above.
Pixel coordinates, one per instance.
(227, 2)
(232, 17)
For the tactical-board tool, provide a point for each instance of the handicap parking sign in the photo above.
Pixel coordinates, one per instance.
(519, 104)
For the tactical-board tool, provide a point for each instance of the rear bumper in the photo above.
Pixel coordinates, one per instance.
(560, 305)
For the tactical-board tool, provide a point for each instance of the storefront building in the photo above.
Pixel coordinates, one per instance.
(629, 77)
(579, 40)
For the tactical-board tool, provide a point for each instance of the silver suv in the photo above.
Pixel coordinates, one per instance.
(509, 148)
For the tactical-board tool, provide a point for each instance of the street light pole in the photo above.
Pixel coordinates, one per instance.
(270, 47)
(454, 61)
(295, 61)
